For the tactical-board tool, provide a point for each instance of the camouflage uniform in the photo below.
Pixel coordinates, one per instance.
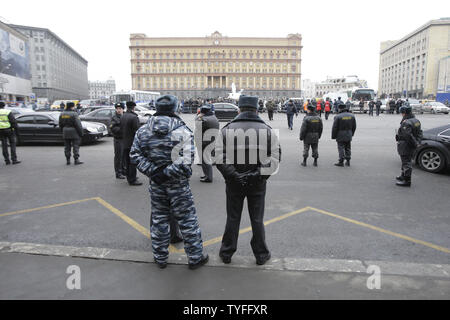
(152, 152)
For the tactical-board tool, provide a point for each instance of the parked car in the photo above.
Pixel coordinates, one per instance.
(144, 110)
(86, 110)
(415, 105)
(44, 127)
(435, 107)
(433, 155)
(104, 115)
(225, 111)
(19, 111)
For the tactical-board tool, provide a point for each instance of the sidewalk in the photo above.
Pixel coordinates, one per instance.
(31, 276)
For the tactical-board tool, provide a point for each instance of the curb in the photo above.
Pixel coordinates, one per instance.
(275, 264)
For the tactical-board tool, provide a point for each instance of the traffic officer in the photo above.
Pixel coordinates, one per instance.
(344, 127)
(169, 174)
(409, 137)
(310, 133)
(117, 134)
(205, 121)
(290, 111)
(246, 173)
(70, 124)
(8, 132)
(378, 106)
(129, 124)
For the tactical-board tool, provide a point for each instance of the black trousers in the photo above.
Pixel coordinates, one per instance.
(290, 120)
(6, 135)
(345, 150)
(320, 113)
(255, 195)
(270, 115)
(327, 114)
(406, 165)
(130, 168)
(72, 144)
(378, 111)
(314, 149)
(118, 157)
(370, 111)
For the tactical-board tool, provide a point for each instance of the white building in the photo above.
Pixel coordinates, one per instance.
(58, 71)
(339, 84)
(102, 89)
(308, 89)
(15, 76)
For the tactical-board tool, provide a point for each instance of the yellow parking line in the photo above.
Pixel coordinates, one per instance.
(395, 234)
(131, 222)
(245, 230)
(46, 207)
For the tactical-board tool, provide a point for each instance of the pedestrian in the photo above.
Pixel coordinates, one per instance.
(398, 105)
(72, 130)
(335, 106)
(371, 106)
(392, 106)
(378, 106)
(117, 134)
(319, 108)
(62, 106)
(206, 120)
(78, 108)
(348, 105)
(246, 176)
(8, 133)
(310, 133)
(129, 124)
(270, 108)
(169, 174)
(290, 111)
(327, 108)
(408, 137)
(344, 127)
(361, 105)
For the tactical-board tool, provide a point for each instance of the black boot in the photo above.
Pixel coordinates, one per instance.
(68, 161)
(339, 164)
(400, 177)
(77, 162)
(304, 162)
(406, 182)
(315, 162)
(16, 162)
(347, 163)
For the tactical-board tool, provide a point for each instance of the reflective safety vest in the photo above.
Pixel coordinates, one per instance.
(4, 121)
(327, 106)
(319, 106)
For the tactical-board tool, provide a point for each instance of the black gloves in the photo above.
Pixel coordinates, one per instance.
(159, 177)
(239, 178)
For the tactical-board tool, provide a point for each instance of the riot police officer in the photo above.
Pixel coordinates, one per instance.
(8, 132)
(169, 174)
(206, 120)
(310, 133)
(70, 124)
(117, 134)
(408, 137)
(344, 127)
(246, 178)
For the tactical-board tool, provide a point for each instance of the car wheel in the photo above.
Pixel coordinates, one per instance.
(431, 160)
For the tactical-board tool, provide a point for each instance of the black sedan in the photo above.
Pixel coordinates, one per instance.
(433, 155)
(104, 115)
(225, 111)
(43, 127)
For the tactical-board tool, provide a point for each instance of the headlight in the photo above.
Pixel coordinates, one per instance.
(91, 130)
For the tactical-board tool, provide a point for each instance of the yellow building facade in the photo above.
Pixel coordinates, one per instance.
(206, 67)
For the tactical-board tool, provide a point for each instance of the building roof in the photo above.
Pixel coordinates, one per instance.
(8, 28)
(53, 34)
(442, 21)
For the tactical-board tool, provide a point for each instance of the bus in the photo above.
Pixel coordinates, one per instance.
(366, 94)
(139, 97)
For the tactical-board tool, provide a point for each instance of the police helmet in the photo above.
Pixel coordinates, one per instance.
(167, 103)
(405, 109)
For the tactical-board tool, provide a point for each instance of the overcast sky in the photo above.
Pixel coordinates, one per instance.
(339, 37)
